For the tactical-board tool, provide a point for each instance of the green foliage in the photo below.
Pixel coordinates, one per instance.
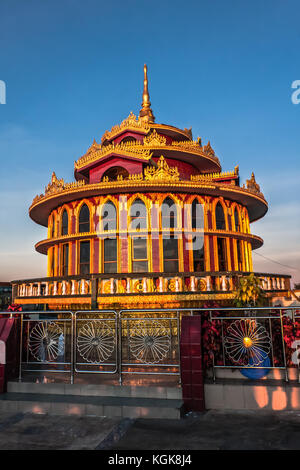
(249, 292)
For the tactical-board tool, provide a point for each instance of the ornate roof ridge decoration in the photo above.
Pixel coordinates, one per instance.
(131, 122)
(127, 148)
(95, 146)
(208, 150)
(189, 132)
(252, 185)
(56, 186)
(188, 143)
(216, 175)
(162, 172)
(154, 139)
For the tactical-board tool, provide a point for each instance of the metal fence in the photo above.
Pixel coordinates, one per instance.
(262, 339)
(144, 342)
(147, 341)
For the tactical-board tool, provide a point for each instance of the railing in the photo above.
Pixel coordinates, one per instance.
(100, 342)
(147, 341)
(136, 283)
(263, 339)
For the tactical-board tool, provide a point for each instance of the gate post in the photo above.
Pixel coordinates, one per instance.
(191, 363)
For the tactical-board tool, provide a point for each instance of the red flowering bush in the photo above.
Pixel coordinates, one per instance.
(291, 333)
(211, 336)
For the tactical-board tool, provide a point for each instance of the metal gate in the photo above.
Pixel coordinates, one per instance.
(144, 342)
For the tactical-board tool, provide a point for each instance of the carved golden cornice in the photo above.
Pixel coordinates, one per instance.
(138, 182)
(252, 185)
(154, 139)
(131, 123)
(131, 149)
(57, 186)
(216, 175)
(162, 173)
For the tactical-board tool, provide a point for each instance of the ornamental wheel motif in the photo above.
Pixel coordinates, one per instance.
(149, 342)
(247, 343)
(46, 341)
(95, 341)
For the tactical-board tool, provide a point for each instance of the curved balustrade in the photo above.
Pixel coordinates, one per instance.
(138, 283)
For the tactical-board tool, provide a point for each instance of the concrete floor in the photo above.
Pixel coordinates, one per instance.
(213, 430)
(210, 430)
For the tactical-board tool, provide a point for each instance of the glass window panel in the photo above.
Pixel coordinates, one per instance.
(65, 223)
(84, 257)
(84, 219)
(168, 214)
(220, 217)
(139, 254)
(138, 215)
(110, 255)
(222, 254)
(139, 248)
(240, 255)
(197, 215)
(140, 266)
(65, 260)
(237, 221)
(171, 266)
(170, 249)
(109, 217)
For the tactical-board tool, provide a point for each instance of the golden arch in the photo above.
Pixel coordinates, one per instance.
(225, 210)
(91, 207)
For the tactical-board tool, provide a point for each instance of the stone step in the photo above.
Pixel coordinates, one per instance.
(174, 392)
(85, 405)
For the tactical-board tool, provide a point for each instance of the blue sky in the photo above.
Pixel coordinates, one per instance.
(73, 69)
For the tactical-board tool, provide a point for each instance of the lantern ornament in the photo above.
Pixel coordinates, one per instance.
(247, 343)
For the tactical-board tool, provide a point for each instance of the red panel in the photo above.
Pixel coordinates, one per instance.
(73, 251)
(191, 364)
(155, 255)
(9, 334)
(129, 165)
(211, 252)
(139, 137)
(96, 256)
(124, 255)
(185, 169)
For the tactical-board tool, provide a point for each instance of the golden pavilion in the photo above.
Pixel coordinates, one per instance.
(151, 220)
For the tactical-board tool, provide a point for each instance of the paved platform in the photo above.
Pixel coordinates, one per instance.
(216, 430)
(206, 431)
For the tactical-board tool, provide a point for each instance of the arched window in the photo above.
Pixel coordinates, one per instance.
(168, 214)
(239, 255)
(129, 138)
(109, 217)
(222, 256)
(65, 260)
(84, 219)
(110, 244)
(198, 240)
(220, 217)
(64, 223)
(237, 220)
(139, 250)
(52, 227)
(170, 241)
(114, 172)
(138, 215)
(197, 215)
(84, 257)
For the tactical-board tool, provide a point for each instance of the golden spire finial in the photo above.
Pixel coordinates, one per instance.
(146, 114)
